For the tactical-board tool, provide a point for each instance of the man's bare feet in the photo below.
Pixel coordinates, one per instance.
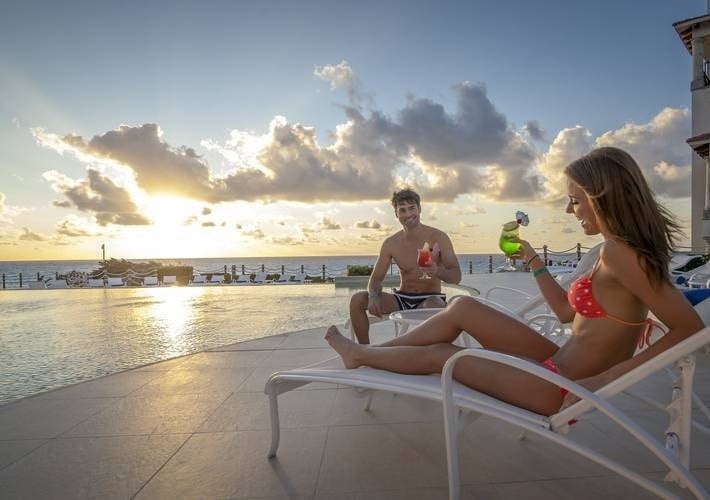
(346, 348)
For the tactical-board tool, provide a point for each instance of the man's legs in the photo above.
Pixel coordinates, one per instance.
(359, 321)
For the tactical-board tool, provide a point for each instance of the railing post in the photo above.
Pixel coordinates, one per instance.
(470, 267)
(234, 270)
(262, 268)
(20, 280)
(225, 269)
(544, 255)
(323, 273)
(37, 275)
(282, 269)
(490, 263)
(243, 269)
(301, 268)
(579, 252)
(3, 281)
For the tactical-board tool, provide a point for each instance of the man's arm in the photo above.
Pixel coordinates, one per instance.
(374, 285)
(449, 269)
(384, 259)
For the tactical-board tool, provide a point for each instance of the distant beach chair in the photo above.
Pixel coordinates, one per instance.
(242, 279)
(260, 278)
(96, 282)
(58, 284)
(283, 279)
(37, 285)
(169, 280)
(215, 279)
(150, 281)
(300, 278)
(115, 282)
(198, 279)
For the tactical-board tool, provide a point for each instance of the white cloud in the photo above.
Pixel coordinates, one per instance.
(339, 75)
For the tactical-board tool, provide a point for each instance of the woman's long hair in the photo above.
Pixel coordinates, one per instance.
(626, 208)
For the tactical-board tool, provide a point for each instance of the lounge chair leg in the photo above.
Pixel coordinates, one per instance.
(275, 429)
(680, 408)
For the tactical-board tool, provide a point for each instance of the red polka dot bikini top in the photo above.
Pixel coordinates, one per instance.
(581, 300)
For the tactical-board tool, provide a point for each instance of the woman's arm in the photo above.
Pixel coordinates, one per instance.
(555, 295)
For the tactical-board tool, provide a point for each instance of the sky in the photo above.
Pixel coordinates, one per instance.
(240, 129)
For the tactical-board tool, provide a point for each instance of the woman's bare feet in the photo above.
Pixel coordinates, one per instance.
(347, 349)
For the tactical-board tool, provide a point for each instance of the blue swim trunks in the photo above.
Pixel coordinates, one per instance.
(411, 300)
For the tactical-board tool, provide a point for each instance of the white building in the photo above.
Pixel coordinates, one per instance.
(695, 35)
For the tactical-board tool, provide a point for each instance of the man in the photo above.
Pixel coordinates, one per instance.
(415, 291)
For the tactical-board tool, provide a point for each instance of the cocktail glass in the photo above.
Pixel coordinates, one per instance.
(508, 233)
(424, 260)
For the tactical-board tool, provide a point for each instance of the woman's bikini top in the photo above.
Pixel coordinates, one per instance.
(581, 300)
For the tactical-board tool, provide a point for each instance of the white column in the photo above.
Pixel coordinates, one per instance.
(698, 58)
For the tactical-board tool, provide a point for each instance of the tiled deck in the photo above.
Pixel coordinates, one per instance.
(198, 427)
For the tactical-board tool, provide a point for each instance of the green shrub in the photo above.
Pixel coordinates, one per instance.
(359, 270)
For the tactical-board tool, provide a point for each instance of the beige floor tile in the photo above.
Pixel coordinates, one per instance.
(161, 414)
(507, 457)
(226, 359)
(234, 465)
(195, 381)
(385, 407)
(265, 343)
(160, 366)
(606, 487)
(256, 381)
(119, 384)
(250, 411)
(39, 417)
(103, 468)
(297, 358)
(398, 494)
(11, 451)
(368, 458)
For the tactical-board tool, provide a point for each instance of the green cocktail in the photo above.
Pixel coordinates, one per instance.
(510, 231)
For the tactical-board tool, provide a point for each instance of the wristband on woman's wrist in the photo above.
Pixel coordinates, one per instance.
(536, 256)
(538, 272)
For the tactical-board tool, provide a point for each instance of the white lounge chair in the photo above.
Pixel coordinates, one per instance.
(674, 453)
(169, 280)
(58, 284)
(198, 280)
(300, 278)
(260, 278)
(115, 282)
(96, 282)
(242, 279)
(150, 281)
(215, 279)
(37, 285)
(282, 279)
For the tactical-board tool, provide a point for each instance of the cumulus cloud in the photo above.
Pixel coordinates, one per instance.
(257, 234)
(368, 224)
(206, 211)
(328, 224)
(658, 146)
(29, 235)
(339, 75)
(534, 131)
(97, 194)
(74, 227)
(660, 149)
(208, 224)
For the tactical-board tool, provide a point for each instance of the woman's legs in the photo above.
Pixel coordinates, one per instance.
(500, 381)
(491, 328)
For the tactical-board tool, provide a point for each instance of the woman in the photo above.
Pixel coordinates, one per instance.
(609, 196)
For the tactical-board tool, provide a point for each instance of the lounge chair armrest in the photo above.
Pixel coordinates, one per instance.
(508, 289)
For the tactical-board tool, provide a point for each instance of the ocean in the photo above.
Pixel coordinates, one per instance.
(313, 266)
(53, 338)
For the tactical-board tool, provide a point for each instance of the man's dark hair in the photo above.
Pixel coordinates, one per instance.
(405, 195)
